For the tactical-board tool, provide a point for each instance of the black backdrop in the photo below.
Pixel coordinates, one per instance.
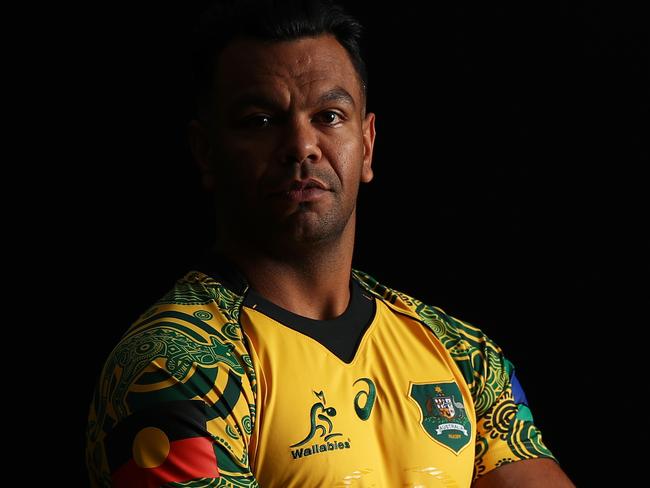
(507, 180)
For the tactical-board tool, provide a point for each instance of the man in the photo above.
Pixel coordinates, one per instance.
(276, 363)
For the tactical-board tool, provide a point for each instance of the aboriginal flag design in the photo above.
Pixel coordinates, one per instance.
(163, 444)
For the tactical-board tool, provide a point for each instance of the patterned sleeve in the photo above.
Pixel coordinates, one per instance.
(505, 430)
(175, 403)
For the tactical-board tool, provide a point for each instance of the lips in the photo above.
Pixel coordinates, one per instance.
(299, 185)
(301, 190)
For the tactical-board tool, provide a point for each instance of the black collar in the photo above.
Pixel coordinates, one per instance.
(340, 335)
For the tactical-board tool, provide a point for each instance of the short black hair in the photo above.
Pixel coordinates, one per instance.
(267, 20)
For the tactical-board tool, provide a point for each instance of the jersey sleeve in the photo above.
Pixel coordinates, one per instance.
(175, 403)
(505, 428)
(505, 431)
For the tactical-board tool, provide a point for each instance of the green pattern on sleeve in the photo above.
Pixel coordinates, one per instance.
(222, 481)
(505, 430)
(188, 346)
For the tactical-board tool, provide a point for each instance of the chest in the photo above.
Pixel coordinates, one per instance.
(398, 414)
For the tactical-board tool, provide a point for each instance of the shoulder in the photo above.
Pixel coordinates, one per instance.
(197, 289)
(474, 353)
(186, 349)
(187, 337)
(196, 310)
(449, 330)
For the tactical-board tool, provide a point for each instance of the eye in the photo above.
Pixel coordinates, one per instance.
(329, 117)
(258, 121)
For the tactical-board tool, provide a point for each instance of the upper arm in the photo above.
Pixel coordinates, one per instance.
(532, 473)
(505, 430)
(174, 404)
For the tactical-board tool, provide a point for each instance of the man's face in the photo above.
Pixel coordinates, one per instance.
(290, 142)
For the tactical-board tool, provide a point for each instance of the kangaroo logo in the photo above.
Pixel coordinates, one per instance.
(320, 416)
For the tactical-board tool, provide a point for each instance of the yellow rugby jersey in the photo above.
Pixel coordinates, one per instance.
(215, 386)
(375, 421)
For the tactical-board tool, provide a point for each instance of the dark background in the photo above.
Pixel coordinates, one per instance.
(511, 140)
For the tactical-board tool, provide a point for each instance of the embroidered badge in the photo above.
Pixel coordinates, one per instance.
(442, 414)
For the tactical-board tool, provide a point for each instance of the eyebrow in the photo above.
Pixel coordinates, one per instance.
(337, 94)
(253, 99)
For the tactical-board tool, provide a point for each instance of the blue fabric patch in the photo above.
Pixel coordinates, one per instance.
(517, 391)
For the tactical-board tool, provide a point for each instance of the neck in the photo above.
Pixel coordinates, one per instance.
(314, 282)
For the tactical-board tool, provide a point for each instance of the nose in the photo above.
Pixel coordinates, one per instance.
(300, 142)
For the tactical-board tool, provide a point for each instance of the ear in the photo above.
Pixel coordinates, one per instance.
(202, 152)
(368, 128)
